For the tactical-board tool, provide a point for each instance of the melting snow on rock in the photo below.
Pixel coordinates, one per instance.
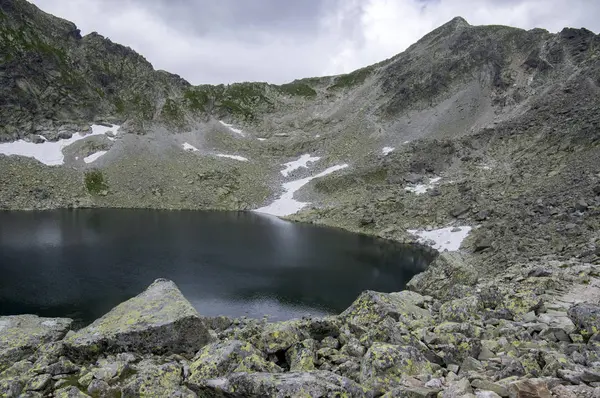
(422, 188)
(387, 149)
(230, 127)
(235, 157)
(50, 153)
(296, 164)
(443, 239)
(94, 156)
(189, 147)
(286, 205)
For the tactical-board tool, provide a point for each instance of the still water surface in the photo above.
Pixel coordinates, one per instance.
(81, 263)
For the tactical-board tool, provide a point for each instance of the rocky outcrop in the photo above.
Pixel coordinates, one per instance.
(22, 335)
(384, 344)
(159, 320)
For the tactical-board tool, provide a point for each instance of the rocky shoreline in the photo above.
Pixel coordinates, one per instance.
(532, 332)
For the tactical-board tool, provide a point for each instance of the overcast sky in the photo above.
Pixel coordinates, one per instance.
(224, 41)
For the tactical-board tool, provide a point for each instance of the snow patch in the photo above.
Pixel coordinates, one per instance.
(422, 188)
(50, 153)
(261, 139)
(387, 149)
(230, 127)
(443, 239)
(286, 205)
(235, 157)
(94, 156)
(189, 147)
(296, 164)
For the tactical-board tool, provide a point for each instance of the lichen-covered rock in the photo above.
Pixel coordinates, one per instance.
(156, 379)
(522, 302)
(283, 385)
(412, 392)
(461, 310)
(70, 392)
(447, 270)
(586, 317)
(280, 336)
(383, 366)
(372, 307)
(220, 359)
(21, 335)
(159, 321)
(302, 356)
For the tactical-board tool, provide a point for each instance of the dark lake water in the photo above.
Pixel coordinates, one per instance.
(81, 263)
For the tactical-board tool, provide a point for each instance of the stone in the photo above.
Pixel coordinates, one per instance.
(470, 365)
(586, 317)
(461, 310)
(487, 385)
(531, 388)
(459, 388)
(459, 210)
(383, 366)
(292, 384)
(158, 321)
(353, 348)
(280, 336)
(372, 307)
(302, 356)
(154, 378)
(446, 271)
(70, 392)
(486, 394)
(330, 342)
(222, 358)
(412, 392)
(21, 335)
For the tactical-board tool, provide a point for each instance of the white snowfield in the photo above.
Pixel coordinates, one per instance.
(189, 147)
(302, 162)
(230, 127)
(50, 153)
(235, 157)
(443, 239)
(94, 156)
(286, 205)
(387, 149)
(422, 188)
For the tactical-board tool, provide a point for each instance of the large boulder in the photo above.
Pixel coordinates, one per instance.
(158, 321)
(372, 307)
(384, 365)
(21, 335)
(222, 358)
(444, 274)
(280, 385)
(586, 317)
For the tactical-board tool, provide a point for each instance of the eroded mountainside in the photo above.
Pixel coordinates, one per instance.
(489, 131)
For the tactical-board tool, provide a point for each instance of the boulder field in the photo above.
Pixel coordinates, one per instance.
(475, 337)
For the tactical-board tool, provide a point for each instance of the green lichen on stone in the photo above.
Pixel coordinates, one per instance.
(384, 365)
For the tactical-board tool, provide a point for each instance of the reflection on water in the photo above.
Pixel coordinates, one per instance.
(81, 263)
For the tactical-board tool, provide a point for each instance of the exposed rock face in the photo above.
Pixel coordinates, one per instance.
(21, 335)
(157, 321)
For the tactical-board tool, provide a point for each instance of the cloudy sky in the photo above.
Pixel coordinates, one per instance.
(223, 41)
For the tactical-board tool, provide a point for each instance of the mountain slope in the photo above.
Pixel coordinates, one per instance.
(507, 118)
